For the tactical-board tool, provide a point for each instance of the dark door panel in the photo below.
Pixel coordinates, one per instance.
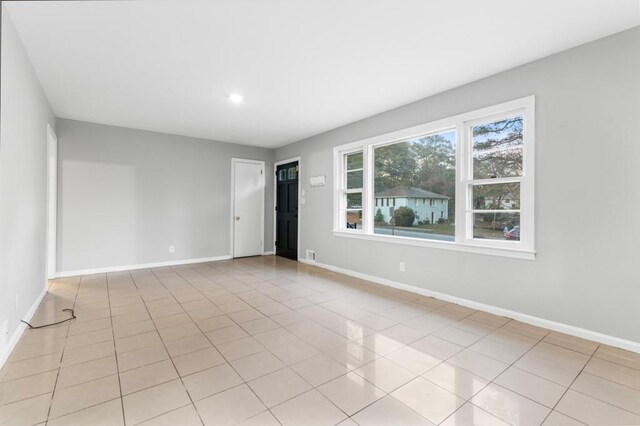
(287, 210)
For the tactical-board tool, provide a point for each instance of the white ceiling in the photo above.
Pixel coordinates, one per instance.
(303, 66)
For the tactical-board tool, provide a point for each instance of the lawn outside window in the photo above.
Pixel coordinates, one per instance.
(462, 183)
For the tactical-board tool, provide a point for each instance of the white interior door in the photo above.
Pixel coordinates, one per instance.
(248, 208)
(52, 198)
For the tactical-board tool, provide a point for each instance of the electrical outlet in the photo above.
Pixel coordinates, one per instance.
(172, 249)
(402, 266)
(4, 336)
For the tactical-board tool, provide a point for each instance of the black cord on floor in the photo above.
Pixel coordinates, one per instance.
(73, 316)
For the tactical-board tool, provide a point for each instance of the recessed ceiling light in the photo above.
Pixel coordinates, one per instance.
(236, 98)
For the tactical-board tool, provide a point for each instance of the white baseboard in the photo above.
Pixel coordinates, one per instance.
(140, 266)
(529, 319)
(15, 337)
(267, 253)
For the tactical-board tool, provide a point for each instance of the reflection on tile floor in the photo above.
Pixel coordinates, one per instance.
(267, 341)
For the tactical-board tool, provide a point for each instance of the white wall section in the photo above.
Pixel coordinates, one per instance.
(23, 185)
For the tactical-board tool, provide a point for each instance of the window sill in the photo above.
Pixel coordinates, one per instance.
(467, 248)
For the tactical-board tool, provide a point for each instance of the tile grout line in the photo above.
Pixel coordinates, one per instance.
(75, 299)
(569, 387)
(115, 352)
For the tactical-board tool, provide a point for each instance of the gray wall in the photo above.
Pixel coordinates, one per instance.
(125, 195)
(23, 180)
(587, 193)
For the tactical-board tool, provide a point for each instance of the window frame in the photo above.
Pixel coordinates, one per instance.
(462, 124)
(341, 183)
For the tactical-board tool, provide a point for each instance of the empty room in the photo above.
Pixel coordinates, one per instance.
(320, 212)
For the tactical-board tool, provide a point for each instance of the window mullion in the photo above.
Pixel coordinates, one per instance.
(338, 160)
(368, 195)
(461, 177)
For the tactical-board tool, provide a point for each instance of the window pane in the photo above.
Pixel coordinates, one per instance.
(354, 179)
(353, 219)
(499, 196)
(496, 226)
(497, 164)
(354, 161)
(293, 172)
(354, 201)
(418, 176)
(498, 134)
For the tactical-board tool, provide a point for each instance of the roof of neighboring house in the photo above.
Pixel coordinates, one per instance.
(409, 192)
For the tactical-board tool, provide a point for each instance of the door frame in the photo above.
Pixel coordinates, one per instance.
(232, 206)
(52, 203)
(275, 199)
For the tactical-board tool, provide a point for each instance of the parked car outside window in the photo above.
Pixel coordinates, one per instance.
(513, 234)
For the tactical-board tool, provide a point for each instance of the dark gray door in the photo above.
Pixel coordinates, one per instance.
(287, 210)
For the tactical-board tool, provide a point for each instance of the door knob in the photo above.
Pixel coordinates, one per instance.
(237, 217)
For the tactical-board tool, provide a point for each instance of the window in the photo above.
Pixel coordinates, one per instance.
(496, 150)
(351, 194)
(475, 170)
(414, 169)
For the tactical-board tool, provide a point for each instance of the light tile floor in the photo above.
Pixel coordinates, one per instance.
(267, 341)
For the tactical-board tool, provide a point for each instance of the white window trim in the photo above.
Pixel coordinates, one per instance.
(340, 188)
(523, 249)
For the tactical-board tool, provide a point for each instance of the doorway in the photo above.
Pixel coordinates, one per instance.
(247, 212)
(52, 200)
(286, 240)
